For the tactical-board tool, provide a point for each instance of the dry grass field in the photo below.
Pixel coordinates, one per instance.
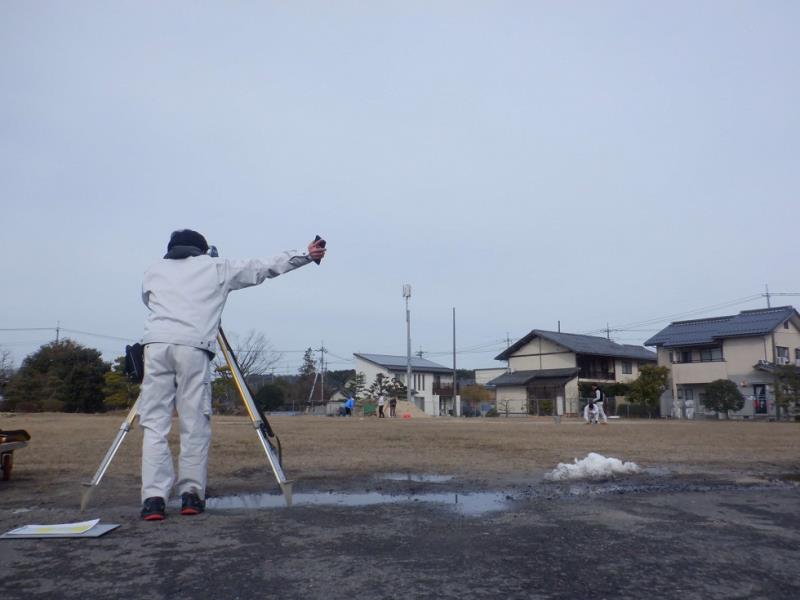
(713, 521)
(66, 449)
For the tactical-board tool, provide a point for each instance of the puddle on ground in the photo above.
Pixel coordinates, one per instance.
(415, 477)
(473, 505)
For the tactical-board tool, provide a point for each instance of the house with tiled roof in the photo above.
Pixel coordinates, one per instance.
(744, 348)
(546, 367)
(431, 383)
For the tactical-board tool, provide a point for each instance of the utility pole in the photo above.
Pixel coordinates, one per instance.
(608, 331)
(58, 327)
(407, 295)
(322, 351)
(766, 288)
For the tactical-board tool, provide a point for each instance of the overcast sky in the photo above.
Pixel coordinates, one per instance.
(524, 162)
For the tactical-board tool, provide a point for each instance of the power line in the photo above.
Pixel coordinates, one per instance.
(674, 316)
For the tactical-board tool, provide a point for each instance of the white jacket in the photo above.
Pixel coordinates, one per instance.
(186, 296)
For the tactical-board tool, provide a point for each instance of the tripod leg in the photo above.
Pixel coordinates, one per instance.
(261, 426)
(104, 464)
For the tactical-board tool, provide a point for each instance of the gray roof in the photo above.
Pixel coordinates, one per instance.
(398, 363)
(583, 344)
(524, 377)
(700, 332)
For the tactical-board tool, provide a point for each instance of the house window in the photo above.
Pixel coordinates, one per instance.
(419, 381)
(797, 356)
(711, 355)
(686, 356)
(782, 354)
(786, 324)
(627, 367)
(672, 357)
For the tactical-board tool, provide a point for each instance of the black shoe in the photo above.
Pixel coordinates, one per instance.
(154, 509)
(191, 504)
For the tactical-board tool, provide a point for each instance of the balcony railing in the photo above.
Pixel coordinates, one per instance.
(597, 374)
(443, 389)
(678, 361)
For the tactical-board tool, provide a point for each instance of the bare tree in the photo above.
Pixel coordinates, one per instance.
(504, 407)
(255, 355)
(6, 367)
(6, 361)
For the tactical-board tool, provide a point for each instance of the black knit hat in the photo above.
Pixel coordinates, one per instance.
(187, 237)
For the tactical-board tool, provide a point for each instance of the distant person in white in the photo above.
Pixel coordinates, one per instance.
(381, 404)
(689, 404)
(598, 399)
(185, 294)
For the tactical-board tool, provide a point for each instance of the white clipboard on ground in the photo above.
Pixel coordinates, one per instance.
(91, 528)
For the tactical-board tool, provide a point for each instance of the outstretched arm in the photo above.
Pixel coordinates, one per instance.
(244, 273)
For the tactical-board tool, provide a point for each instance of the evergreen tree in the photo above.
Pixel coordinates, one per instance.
(787, 386)
(646, 390)
(397, 389)
(308, 372)
(723, 396)
(118, 391)
(355, 386)
(380, 386)
(63, 376)
(270, 396)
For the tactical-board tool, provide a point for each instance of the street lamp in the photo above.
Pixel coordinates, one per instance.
(407, 295)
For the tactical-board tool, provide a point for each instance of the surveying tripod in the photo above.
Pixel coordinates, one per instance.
(260, 423)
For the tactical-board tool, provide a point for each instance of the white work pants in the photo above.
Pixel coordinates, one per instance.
(175, 378)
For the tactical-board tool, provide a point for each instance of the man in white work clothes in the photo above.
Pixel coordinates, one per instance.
(186, 293)
(598, 397)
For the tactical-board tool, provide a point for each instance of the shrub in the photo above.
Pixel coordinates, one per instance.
(723, 396)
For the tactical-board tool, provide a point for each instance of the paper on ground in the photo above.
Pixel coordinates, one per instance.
(57, 529)
(594, 466)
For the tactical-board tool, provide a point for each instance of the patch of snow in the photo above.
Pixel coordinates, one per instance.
(594, 466)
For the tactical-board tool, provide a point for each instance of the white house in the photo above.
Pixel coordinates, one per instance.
(743, 348)
(431, 383)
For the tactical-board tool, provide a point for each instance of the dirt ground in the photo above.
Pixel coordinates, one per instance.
(714, 514)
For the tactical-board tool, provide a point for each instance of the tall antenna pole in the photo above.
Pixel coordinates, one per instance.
(766, 288)
(455, 372)
(407, 295)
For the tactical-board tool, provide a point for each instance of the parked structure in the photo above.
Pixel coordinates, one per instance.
(744, 348)
(547, 366)
(431, 383)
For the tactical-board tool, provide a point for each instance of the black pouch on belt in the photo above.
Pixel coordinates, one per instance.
(134, 363)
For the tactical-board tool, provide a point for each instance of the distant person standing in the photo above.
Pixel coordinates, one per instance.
(392, 406)
(349, 405)
(598, 398)
(381, 403)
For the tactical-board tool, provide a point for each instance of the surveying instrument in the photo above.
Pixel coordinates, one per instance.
(259, 421)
